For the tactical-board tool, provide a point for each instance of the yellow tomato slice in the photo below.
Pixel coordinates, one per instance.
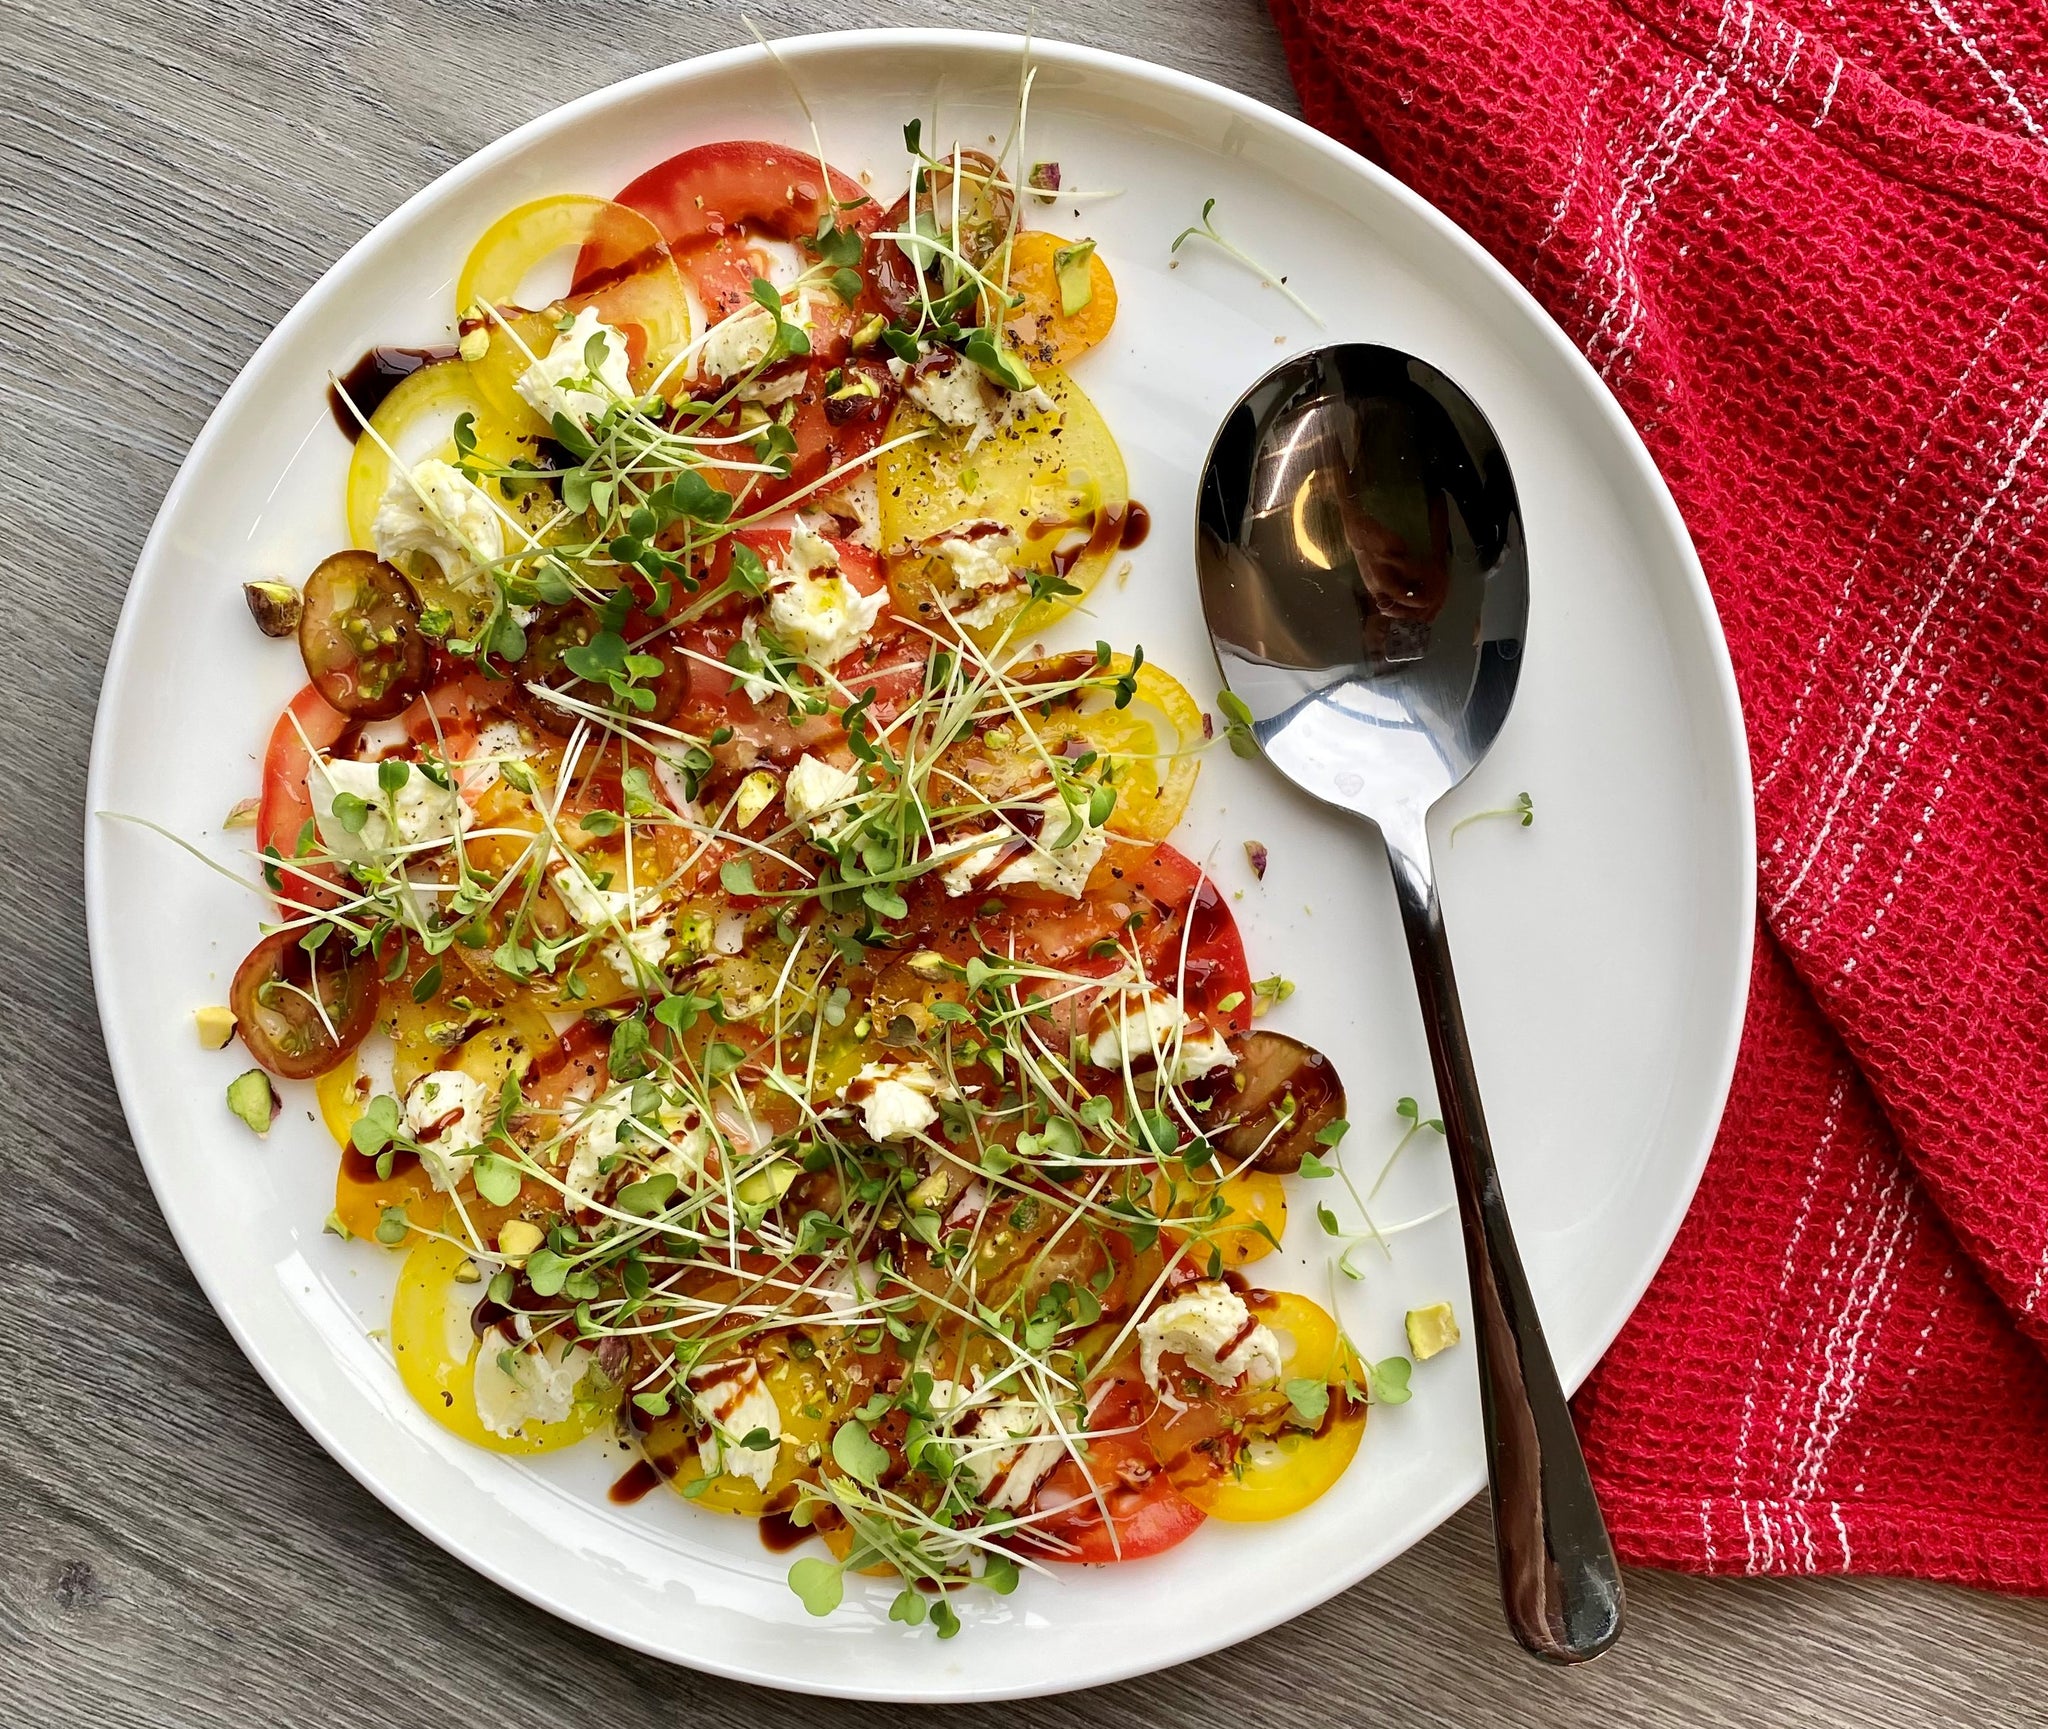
(436, 1349)
(642, 298)
(1279, 1467)
(1046, 334)
(1154, 743)
(1251, 1199)
(1049, 479)
(341, 1100)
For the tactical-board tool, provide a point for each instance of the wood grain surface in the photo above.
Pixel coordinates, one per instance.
(174, 1550)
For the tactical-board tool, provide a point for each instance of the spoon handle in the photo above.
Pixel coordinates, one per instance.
(1560, 1583)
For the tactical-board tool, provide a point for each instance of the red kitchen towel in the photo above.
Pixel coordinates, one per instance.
(1807, 246)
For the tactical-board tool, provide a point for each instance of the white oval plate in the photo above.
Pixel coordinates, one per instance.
(1604, 952)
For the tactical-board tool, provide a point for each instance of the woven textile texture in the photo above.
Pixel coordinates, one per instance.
(1808, 249)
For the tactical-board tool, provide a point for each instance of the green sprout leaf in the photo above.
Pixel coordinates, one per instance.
(496, 1179)
(547, 1272)
(859, 1454)
(1310, 1399)
(1388, 1380)
(819, 1584)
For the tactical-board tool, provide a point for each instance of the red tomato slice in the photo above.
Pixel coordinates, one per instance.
(286, 806)
(1214, 967)
(1146, 1513)
(1174, 898)
(448, 718)
(710, 201)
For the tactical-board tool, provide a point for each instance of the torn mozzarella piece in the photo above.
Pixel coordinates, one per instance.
(1001, 1444)
(597, 1140)
(894, 1099)
(820, 619)
(740, 342)
(855, 509)
(815, 796)
(982, 566)
(960, 395)
(446, 1113)
(1210, 1329)
(501, 741)
(735, 1401)
(647, 930)
(563, 380)
(436, 511)
(1143, 1026)
(518, 1383)
(421, 814)
(1006, 859)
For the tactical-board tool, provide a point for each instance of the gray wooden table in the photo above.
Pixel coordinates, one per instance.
(173, 1549)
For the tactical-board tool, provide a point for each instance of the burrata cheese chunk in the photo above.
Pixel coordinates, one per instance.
(434, 510)
(447, 1113)
(420, 815)
(815, 796)
(519, 1383)
(1210, 1329)
(565, 381)
(1146, 1027)
(736, 1404)
(895, 1099)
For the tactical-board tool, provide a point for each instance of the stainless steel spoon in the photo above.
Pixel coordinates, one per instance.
(1366, 587)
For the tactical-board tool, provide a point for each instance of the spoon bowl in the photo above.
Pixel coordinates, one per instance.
(1366, 586)
(1364, 575)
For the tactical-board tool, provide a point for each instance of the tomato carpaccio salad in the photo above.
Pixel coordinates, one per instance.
(751, 982)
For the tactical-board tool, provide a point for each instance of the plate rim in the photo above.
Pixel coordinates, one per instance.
(1651, 489)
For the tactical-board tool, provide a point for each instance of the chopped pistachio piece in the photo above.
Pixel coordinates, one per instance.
(932, 1191)
(771, 1183)
(475, 343)
(243, 814)
(337, 1226)
(1070, 270)
(518, 1238)
(1431, 1330)
(275, 606)
(252, 1098)
(755, 795)
(1269, 993)
(216, 1024)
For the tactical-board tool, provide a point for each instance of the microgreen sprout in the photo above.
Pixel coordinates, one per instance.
(1205, 229)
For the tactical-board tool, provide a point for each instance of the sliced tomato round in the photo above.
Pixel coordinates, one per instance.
(301, 1011)
(710, 202)
(1146, 1514)
(1171, 899)
(285, 810)
(448, 716)
(359, 635)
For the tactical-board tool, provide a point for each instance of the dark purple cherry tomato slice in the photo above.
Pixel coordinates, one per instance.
(559, 631)
(360, 637)
(274, 999)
